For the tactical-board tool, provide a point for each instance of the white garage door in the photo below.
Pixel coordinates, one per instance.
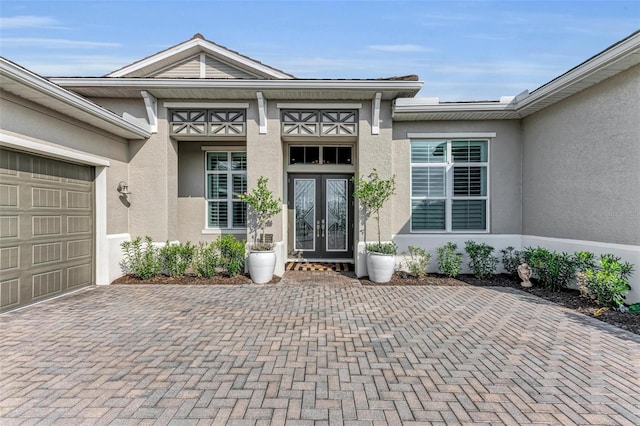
(46, 228)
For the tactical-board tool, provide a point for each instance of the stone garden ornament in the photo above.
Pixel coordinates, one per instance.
(524, 272)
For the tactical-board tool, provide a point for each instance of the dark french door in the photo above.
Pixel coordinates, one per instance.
(320, 216)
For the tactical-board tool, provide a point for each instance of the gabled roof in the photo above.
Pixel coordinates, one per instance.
(28, 85)
(613, 60)
(191, 49)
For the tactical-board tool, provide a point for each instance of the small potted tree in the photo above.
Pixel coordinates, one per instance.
(373, 192)
(263, 206)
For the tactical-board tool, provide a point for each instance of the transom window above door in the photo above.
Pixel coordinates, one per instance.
(313, 154)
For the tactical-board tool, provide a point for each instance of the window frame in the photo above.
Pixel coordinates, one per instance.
(449, 197)
(228, 150)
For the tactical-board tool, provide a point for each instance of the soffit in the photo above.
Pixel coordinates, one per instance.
(20, 82)
(310, 90)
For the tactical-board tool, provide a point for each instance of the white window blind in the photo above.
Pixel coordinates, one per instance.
(449, 186)
(226, 178)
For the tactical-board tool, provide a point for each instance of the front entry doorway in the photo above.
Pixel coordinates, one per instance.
(320, 216)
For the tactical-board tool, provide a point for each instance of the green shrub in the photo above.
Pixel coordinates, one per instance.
(418, 261)
(383, 248)
(554, 270)
(482, 262)
(141, 259)
(584, 260)
(449, 261)
(511, 259)
(205, 260)
(608, 284)
(232, 254)
(176, 258)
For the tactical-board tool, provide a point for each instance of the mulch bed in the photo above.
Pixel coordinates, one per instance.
(568, 298)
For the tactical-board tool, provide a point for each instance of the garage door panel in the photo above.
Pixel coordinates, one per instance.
(46, 228)
(9, 293)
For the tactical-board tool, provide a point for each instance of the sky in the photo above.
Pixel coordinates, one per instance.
(462, 50)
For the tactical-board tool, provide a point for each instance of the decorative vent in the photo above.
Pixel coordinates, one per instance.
(320, 123)
(213, 122)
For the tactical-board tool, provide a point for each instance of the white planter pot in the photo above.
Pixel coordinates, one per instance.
(380, 266)
(261, 266)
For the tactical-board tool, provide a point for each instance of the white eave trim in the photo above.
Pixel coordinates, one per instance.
(151, 83)
(197, 42)
(51, 90)
(627, 47)
(414, 105)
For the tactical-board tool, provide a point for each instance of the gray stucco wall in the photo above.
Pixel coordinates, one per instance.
(191, 201)
(41, 124)
(504, 165)
(581, 169)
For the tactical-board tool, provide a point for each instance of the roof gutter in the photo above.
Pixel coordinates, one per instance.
(50, 89)
(143, 83)
(626, 47)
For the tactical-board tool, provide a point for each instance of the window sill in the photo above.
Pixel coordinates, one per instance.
(222, 231)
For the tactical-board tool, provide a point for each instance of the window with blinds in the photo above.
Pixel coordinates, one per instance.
(449, 185)
(226, 178)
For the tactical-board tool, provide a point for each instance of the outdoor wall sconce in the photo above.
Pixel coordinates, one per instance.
(123, 188)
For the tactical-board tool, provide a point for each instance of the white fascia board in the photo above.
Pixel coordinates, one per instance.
(415, 106)
(584, 70)
(49, 89)
(197, 42)
(151, 83)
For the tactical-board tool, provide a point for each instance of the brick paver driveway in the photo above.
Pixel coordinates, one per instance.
(305, 354)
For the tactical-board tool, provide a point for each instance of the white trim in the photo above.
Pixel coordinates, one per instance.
(449, 197)
(151, 105)
(101, 242)
(254, 66)
(317, 105)
(625, 48)
(262, 113)
(203, 67)
(239, 105)
(26, 145)
(394, 86)
(375, 114)
(110, 122)
(452, 135)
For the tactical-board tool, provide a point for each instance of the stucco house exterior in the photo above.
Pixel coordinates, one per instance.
(161, 147)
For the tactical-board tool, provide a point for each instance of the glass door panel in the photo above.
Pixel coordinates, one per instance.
(304, 213)
(336, 214)
(320, 216)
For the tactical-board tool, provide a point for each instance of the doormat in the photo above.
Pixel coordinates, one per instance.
(319, 266)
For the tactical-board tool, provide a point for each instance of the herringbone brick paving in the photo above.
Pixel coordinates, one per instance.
(305, 354)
